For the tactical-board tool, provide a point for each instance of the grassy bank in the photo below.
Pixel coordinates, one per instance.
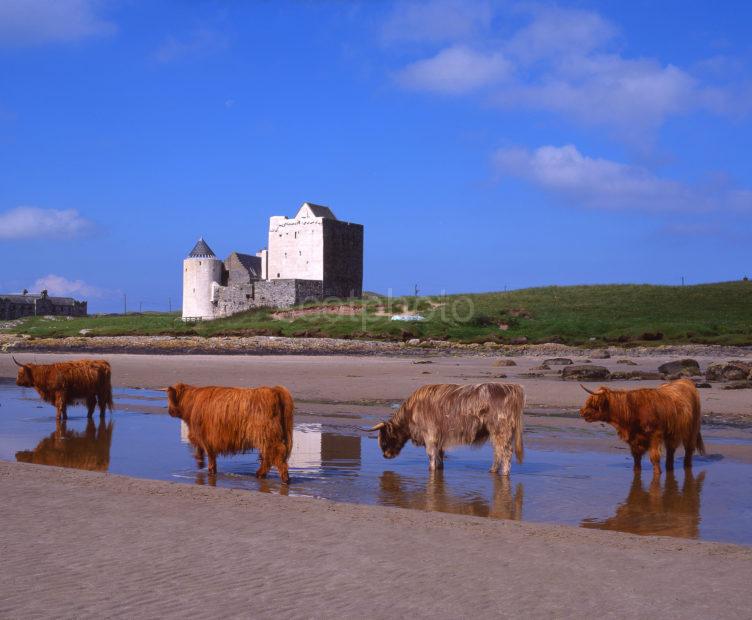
(625, 314)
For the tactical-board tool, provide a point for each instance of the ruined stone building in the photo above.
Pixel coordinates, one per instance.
(309, 257)
(27, 304)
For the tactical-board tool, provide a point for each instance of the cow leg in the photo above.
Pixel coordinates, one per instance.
(212, 463)
(62, 407)
(265, 464)
(502, 447)
(637, 453)
(91, 404)
(102, 405)
(670, 449)
(281, 464)
(199, 455)
(435, 457)
(655, 454)
(689, 451)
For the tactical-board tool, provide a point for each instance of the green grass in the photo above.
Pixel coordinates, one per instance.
(628, 314)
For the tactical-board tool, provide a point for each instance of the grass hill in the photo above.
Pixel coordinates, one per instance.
(627, 314)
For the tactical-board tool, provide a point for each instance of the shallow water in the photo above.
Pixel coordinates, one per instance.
(592, 489)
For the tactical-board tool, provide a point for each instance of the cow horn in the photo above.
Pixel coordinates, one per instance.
(16, 361)
(378, 426)
(588, 391)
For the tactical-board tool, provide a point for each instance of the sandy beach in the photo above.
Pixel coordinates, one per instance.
(82, 544)
(77, 544)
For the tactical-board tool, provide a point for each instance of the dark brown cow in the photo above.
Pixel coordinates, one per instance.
(445, 415)
(648, 419)
(223, 420)
(69, 383)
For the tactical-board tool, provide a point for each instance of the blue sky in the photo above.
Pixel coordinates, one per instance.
(482, 144)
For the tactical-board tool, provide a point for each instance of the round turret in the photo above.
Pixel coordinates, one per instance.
(202, 273)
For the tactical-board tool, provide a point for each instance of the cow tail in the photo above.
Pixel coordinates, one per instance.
(519, 448)
(287, 408)
(699, 443)
(108, 388)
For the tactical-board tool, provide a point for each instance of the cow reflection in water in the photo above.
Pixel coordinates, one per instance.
(89, 449)
(667, 511)
(504, 504)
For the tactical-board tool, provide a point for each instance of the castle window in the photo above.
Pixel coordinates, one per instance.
(278, 274)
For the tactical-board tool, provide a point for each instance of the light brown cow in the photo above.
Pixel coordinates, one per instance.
(650, 418)
(445, 415)
(224, 420)
(68, 383)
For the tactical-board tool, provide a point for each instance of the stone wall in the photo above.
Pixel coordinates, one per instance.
(266, 294)
(295, 249)
(343, 259)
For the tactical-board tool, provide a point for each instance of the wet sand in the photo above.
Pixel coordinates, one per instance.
(81, 544)
(374, 380)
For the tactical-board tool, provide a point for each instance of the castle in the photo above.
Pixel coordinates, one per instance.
(309, 257)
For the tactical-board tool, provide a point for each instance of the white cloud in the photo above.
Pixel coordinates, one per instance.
(455, 70)
(562, 61)
(606, 184)
(629, 96)
(439, 20)
(59, 285)
(33, 22)
(34, 223)
(555, 32)
(197, 43)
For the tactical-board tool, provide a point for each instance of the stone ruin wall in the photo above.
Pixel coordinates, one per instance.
(266, 294)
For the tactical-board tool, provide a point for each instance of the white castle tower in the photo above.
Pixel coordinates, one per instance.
(202, 275)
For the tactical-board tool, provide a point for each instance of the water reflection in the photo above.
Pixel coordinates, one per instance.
(314, 449)
(660, 510)
(65, 447)
(397, 490)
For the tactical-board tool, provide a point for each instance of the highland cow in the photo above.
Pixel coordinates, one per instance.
(649, 419)
(445, 415)
(223, 420)
(69, 383)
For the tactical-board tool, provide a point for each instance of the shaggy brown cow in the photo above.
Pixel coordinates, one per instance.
(224, 420)
(68, 448)
(69, 383)
(648, 419)
(445, 415)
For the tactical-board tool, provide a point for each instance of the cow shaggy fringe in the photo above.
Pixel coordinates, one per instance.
(445, 415)
(86, 382)
(223, 421)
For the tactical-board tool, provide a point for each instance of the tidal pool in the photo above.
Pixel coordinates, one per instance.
(588, 488)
